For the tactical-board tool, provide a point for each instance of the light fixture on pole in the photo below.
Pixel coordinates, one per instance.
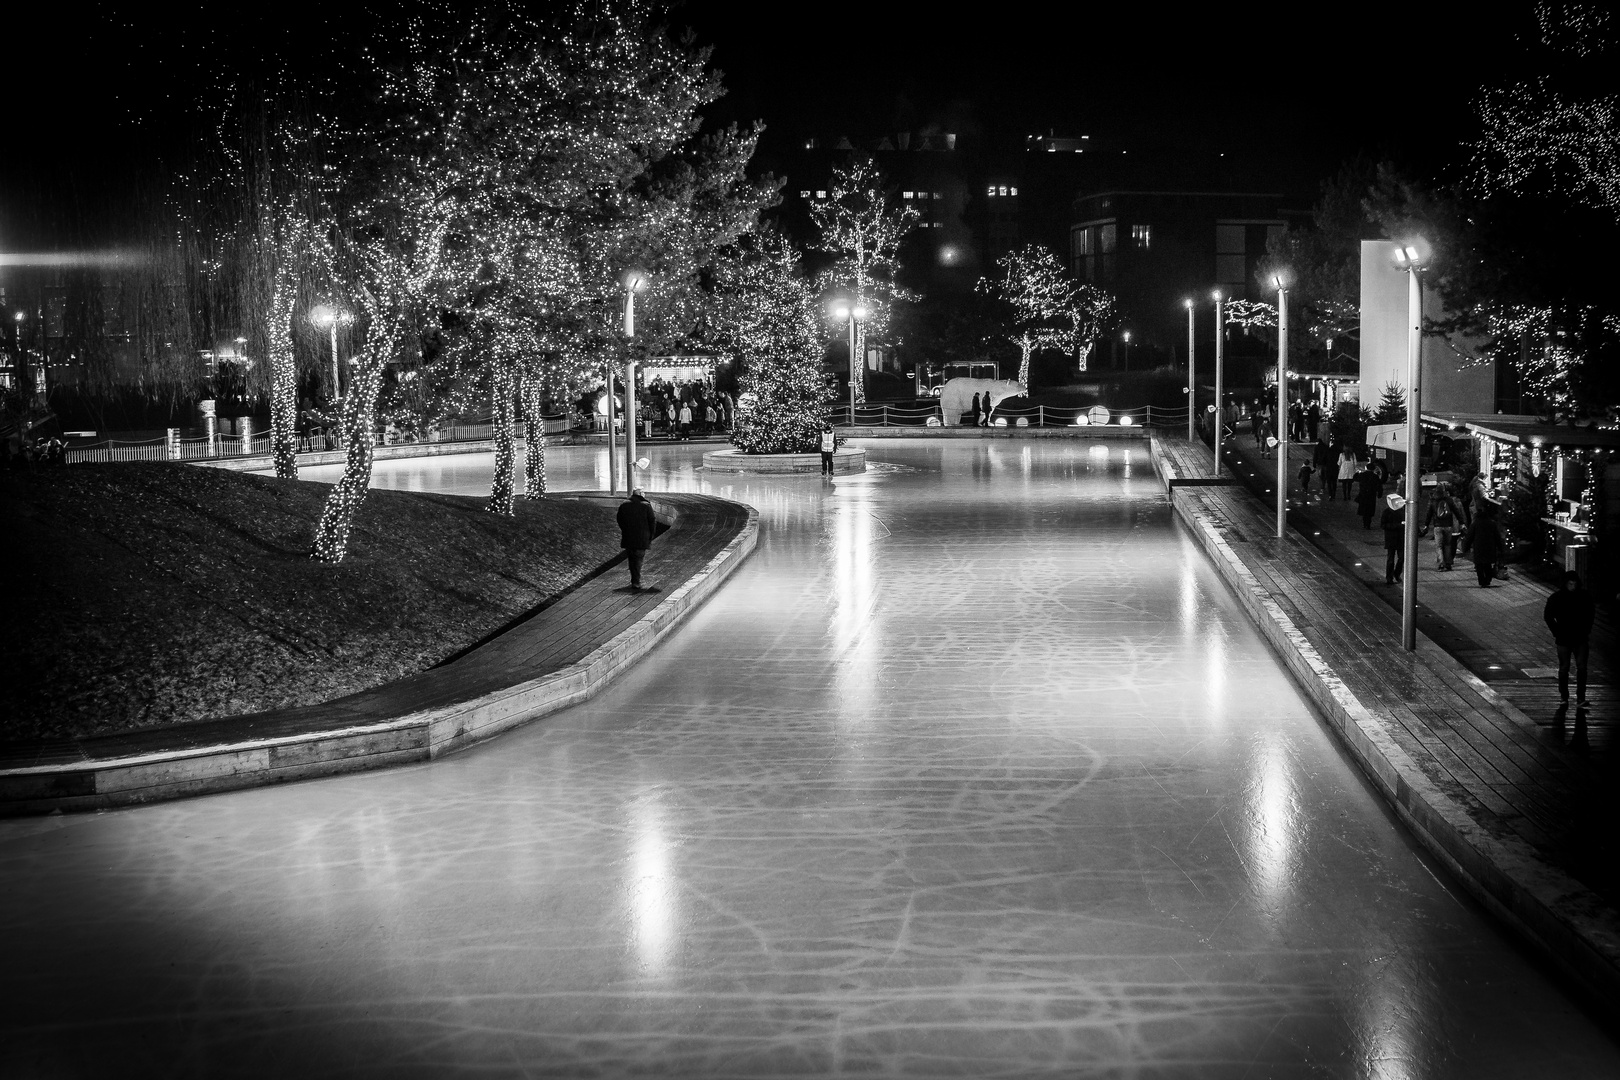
(634, 281)
(854, 315)
(1127, 336)
(1192, 385)
(327, 318)
(1280, 420)
(1412, 259)
(1220, 373)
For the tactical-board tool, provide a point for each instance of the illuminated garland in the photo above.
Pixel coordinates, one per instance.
(500, 494)
(534, 436)
(359, 434)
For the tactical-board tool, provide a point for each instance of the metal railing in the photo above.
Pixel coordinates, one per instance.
(1042, 416)
(203, 448)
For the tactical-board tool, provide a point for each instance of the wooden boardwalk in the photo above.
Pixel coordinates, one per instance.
(554, 638)
(1533, 787)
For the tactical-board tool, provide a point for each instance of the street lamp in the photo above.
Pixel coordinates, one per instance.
(854, 315)
(634, 281)
(1280, 420)
(1220, 373)
(1413, 259)
(1192, 386)
(328, 318)
(1127, 350)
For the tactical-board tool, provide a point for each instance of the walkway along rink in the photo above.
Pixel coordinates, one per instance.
(974, 768)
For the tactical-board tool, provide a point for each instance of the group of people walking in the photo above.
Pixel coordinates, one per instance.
(978, 415)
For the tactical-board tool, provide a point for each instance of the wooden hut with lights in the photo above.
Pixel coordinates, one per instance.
(1571, 471)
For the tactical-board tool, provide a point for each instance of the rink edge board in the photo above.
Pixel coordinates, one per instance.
(405, 739)
(1563, 919)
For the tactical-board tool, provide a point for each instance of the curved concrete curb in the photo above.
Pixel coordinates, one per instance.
(408, 737)
(1568, 922)
(846, 462)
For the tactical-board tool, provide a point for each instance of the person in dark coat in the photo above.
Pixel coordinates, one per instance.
(1368, 494)
(1484, 539)
(1569, 613)
(1393, 522)
(636, 528)
(974, 415)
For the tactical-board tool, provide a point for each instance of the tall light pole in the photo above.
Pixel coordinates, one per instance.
(1220, 376)
(634, 280)
(1127, 336)
(854, 315)
(1410, 257)
(22, 358)
(1279, 421)
(1192, 385)
(327, 318)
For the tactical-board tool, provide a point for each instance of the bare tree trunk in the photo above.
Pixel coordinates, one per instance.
(500, 492)
(534, 437)
(360, 434)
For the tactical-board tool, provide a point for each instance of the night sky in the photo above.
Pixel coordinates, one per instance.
(99, 94)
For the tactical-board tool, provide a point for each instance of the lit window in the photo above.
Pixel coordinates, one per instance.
(992, 191)
(1013, 190)
(1142, 236)
(821, 194)
(1003, 189)
(939, 194)
(804, 194)
(911, 194)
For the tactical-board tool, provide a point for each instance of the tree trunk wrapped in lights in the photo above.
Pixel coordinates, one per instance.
(500, 489)
(360, 435)
(534, 437)
(283, 380)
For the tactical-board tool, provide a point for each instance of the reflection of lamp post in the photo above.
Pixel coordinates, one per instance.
(854, 315)
(327, 318)
(634, 280)
(1411, 259)
(1192, 387)
(1220, 373)
(22, 355)
(1279, 422)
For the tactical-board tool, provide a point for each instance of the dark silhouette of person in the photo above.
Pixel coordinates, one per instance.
(1485, 541)
(636, 528)
(1569, 613)
(1368, 494)
(974, 414)
(1393, 522)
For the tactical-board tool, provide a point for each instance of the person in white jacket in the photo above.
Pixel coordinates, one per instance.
(1348, 467)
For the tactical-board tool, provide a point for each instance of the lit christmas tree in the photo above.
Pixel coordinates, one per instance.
(770, 321)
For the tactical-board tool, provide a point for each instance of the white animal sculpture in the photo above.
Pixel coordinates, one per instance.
(956, 397)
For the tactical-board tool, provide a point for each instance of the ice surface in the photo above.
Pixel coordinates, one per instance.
(973, 769)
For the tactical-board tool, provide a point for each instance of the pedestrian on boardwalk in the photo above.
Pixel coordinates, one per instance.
(1569, 613)
(636, 528)
(973, 416)
(1371, 489)
(1485, 541)
(1313, 420)
(1326, 466)
(1305, 481)
(1257, 426)
(1393, 522)
(1348, 467)
(1443, 517)
(829, 443)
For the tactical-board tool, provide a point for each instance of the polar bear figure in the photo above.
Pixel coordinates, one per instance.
(956, 397)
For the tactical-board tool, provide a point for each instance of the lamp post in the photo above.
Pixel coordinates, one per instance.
(1220, 373)
(1192, 386)
(1127, 336)
(634, 280)
(1410, 257)
(854, 315)
(327, 318)
(1278, 422)
(22, 356)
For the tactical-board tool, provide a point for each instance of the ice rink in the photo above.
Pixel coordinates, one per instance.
(974, 769)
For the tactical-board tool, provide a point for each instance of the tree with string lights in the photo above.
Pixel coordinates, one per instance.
(862, 226)
(768, 319)
(1045, 308)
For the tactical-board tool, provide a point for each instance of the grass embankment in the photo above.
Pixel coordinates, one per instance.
(143, 594)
